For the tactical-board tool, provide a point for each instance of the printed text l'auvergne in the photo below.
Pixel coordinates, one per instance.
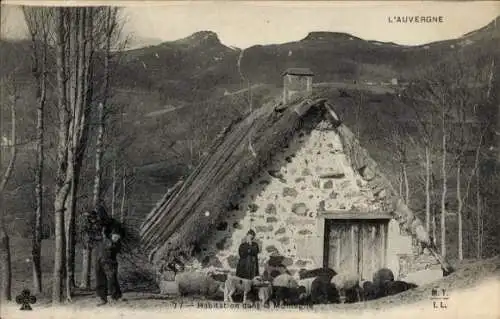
(415, 19)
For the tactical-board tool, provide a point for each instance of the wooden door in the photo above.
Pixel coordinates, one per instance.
(372, 248)
(343, 247)
(357, 246)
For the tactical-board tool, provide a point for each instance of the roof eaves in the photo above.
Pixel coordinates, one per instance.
(298, 71)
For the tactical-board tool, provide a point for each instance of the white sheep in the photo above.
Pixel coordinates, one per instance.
(306, 283)
(237, 284)
(285, 280)
(346, 281)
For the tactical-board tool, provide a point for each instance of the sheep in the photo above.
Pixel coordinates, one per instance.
(236, 284)
(381, 276)
(395, 287)
(368, 290)
(306, 283)
(323, 291)
(197, 283)
(345, 283)
(327, 272)
(285, 289)
(304, 289)
(265, 293)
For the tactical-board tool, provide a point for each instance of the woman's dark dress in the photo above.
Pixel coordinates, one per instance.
(248, 265)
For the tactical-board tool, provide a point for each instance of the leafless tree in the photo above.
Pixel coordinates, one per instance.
(5, 261)
(446, 93)
(80, 31)
(38, 23)
(124, 196)
(433, 90)
(9, 95)
(424, 120)
(111, 40)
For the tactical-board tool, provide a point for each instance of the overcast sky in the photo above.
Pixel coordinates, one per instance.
(243, 24)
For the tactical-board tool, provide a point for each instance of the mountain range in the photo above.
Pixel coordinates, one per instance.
(177, 95)
(200, 63)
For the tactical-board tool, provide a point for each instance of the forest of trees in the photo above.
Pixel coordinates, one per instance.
(448, 145)
(72, 50)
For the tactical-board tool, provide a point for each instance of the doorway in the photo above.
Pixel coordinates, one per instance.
(357, 245)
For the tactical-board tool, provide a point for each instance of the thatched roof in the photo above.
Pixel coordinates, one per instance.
(182, 217)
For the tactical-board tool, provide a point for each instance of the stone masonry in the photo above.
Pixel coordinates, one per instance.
(282, 205)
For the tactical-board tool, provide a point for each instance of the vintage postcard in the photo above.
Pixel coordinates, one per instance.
(264, 159)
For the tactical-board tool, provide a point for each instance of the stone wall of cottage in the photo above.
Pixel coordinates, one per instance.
(282, 205)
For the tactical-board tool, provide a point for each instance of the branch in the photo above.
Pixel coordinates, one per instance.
(13, 148)
(476, 164)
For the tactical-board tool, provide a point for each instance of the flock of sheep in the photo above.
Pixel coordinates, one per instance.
(279, 288)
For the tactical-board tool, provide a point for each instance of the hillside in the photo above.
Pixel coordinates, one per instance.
(176, 96)
(200, 65)
(185, 69)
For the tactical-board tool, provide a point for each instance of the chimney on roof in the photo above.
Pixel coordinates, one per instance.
(296, 82)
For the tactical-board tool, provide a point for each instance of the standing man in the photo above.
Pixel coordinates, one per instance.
(106, 264)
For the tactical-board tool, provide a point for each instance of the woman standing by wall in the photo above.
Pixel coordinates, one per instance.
(248, 265)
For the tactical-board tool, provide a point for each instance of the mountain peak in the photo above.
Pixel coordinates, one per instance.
(492, 28)
(201, 38)
(327, 35)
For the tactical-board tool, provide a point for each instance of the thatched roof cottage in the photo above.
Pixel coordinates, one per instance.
(297, 176)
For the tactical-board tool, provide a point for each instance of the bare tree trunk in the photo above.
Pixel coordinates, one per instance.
(97, 191)
(459, 214)
(13, 146)
(69, 232)
(86, 266)
(250, 103)
(60, 253)
(124, 192)
(481, 236)
(98, 156)
(62, 182)
(5, 260)
(37, 230)
(401, 183)
(433, 213)
(5, 264)
(77, 58)
(86, 252)
(113, 191)
(443, 195)
(427, 189)
(80, 138)
(37, 22)
(478, 212)
(434, 227)
(407, 185)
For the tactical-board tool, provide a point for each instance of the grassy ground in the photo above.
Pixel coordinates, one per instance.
(141, 293)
